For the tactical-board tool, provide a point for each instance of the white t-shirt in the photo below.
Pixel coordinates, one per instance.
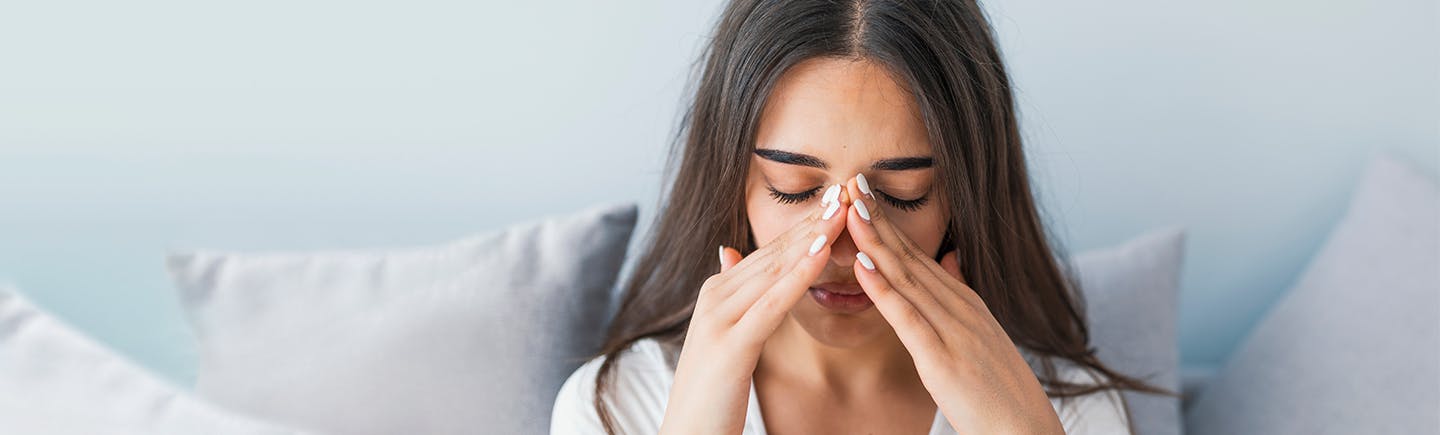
(642, 378)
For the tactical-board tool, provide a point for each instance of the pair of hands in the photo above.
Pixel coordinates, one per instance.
(964, 358)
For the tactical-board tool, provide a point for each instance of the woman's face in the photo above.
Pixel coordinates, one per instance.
(827, 120)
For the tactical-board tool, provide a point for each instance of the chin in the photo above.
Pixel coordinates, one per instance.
(840, 330)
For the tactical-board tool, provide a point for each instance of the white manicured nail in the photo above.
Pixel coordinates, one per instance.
(722, 254)
(864, 212)
(863, 185)
(831, 195)
(865, 260)
(815, 246)
(830, 212)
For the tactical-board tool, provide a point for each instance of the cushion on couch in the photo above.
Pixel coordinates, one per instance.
(472, 336)
(1354, 347)
(1132, 301)
(55, 380)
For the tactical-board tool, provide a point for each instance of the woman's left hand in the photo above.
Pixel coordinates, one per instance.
(965, 359)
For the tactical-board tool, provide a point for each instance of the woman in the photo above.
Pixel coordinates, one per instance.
(882, 266)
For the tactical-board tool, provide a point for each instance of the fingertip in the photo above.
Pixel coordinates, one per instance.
(728, 258)
(852, 190)
(720, 256)
(865, 274)
(865, 262)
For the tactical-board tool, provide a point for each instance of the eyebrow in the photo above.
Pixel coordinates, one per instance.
(895, 164)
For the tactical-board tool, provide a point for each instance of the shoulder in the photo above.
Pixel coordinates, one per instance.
(637, 389)
(1100, 412)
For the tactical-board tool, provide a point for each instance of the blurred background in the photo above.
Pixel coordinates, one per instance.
(133, 129)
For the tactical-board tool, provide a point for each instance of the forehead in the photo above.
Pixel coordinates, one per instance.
(844, 111)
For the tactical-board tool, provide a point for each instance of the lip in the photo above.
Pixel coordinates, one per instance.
(841, 288)
(841, 298)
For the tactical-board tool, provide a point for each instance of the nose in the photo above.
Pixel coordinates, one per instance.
(843, 250)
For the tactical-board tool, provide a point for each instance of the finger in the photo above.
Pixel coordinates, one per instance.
(902, 263)
(950, 263)
(822, 234)
(886, 228)
(728, 258)
(733, 268)
(807, 239)
(793, 235)
(771, 306)
(913, 272)
(911, 326)
(755, 263)
(869, 210)
(869, 213)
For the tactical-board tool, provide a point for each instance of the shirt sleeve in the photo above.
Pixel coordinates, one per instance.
(636, 395)
(574, 409)
(1101, 412)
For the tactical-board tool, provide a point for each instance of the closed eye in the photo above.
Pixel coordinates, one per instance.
(792, 198)
(904, 204)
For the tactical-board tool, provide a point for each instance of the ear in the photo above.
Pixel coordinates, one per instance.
(952, 265)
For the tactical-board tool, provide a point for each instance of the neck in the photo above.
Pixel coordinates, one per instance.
(796, 358)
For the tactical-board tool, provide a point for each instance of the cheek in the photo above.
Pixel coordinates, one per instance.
(769, 218)
(924, 227)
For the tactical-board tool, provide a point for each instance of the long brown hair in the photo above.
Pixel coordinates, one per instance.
(944, 50)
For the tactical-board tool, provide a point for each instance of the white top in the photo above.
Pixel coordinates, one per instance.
(641, 389)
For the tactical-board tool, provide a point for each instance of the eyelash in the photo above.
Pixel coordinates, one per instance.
(796, 198)
(792, 198)
(905, 204)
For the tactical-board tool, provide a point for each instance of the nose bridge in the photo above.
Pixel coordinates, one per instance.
(842, 251)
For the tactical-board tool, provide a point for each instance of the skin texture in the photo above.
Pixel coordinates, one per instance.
(928, 344)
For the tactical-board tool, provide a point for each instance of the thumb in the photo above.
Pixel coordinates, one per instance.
(728, 258)
(952, 265)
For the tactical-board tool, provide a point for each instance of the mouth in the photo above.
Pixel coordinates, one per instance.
(841, 298)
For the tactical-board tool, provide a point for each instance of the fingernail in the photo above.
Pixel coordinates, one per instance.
(864, 212)
(831, 195)
(722, 255)
(830, 212)
(815, 246)
(865, 260)
(864, 185)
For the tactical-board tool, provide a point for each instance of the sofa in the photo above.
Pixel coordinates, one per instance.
(476, 335)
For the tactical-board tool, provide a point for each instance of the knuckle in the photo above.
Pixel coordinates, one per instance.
(807, 238)
(710, 289)
(767, 304)
(909, 280)
(911, 317)
(909, 255)
(967, 340)
(773, 269)
(701, 323)
(875, 239)
(710, 284)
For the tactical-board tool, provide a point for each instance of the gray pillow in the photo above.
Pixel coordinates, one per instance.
(473, 336)
(1354, 347)
(55, 380)
(1132, 299)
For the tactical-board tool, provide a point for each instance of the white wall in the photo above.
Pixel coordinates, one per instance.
(130, 129)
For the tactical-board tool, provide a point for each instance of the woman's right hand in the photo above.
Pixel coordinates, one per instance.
(736, 312)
